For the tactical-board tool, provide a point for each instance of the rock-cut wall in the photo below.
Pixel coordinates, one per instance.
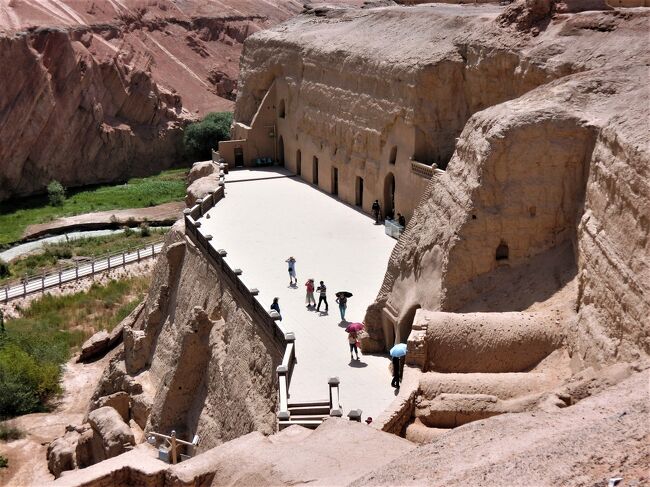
(564, 163)
(196, 361)
(67, 116)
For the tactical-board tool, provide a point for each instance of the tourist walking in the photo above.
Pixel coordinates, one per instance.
(293, 281)
(309, 299)
(397, 372)
(376, 209)
(322, 296)
(276, 306)
(343, 304)
(354, 344)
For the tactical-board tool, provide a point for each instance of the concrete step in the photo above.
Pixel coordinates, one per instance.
(320, 402)
(308, 417)
(306, 423)
(324, 409)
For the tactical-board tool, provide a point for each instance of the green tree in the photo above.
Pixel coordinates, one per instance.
(4, 269)
(56, 193)
(201, 137)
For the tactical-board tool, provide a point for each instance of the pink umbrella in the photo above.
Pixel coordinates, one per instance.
(354, 327)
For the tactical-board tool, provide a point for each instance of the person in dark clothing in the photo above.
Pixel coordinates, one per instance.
(322, 297)
(396, 373)
(376, 209)
(276, 307)
(401, 220)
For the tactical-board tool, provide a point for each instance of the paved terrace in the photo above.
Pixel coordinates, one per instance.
(267, 216)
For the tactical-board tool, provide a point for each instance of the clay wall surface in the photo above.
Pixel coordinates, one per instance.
(366, 110)
(196, 361)
(529, 175)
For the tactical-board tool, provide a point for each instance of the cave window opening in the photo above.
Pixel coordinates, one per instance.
(502, 251)
(393, 155)
(281, 109)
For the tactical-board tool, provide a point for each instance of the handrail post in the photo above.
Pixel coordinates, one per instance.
(152, 251)
(335, 406)
(92, 266)
(138, 255)
(123, 259)
(60, 272)
(76, 270)
(24, 287)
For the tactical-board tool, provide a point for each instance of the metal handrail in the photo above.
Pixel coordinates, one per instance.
(126, 250)
(21, 287)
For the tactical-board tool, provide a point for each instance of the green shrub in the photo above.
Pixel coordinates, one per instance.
(201, 137)
(26, 384)
(56, 193)
(4, 463)
(4, 269)
(145, 230)
(10, 433)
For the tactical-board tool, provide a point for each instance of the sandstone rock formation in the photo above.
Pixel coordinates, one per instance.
(95, 87)
(78, 118)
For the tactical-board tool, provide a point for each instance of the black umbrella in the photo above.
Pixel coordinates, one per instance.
(346, 294)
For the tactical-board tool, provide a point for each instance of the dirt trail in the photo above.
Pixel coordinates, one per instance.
(27, 457)
(166, 213)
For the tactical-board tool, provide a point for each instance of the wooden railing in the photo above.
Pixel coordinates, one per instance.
(261, 316)
(19, 288)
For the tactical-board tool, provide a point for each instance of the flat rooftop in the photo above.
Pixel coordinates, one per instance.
(269, 215)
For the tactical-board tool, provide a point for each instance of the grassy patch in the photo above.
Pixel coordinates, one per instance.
(17, 214)
(34, 346)
(10, 433)
(82, 247)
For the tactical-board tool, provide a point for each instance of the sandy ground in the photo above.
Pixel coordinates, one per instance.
(12, 308)
(266, 217)
(27, 457)
(165, 213)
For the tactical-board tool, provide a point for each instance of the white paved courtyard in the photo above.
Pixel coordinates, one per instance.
(266, 217)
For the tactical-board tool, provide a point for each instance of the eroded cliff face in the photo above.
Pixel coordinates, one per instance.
(65, 115)
(98, 91)
(195, 361)
(539, 122)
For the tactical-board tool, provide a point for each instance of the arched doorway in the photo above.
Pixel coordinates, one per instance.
(298, 162)
(389, 196)
(281, 151)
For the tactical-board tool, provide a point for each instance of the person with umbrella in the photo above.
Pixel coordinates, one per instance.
(353, 339)
(342, 300)
(397, 353)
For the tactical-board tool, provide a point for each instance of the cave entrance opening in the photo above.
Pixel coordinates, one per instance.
(406, 324)
(335, 181)
(359, 192)
(315, 170)
(281, 109)
(503, 252)
(281, 151)
(298, 162)
(389, 196)
(239, 157)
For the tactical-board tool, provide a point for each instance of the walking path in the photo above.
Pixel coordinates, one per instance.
(38, 284)
(267, 216)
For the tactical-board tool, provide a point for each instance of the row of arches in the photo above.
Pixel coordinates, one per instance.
(389, 180)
